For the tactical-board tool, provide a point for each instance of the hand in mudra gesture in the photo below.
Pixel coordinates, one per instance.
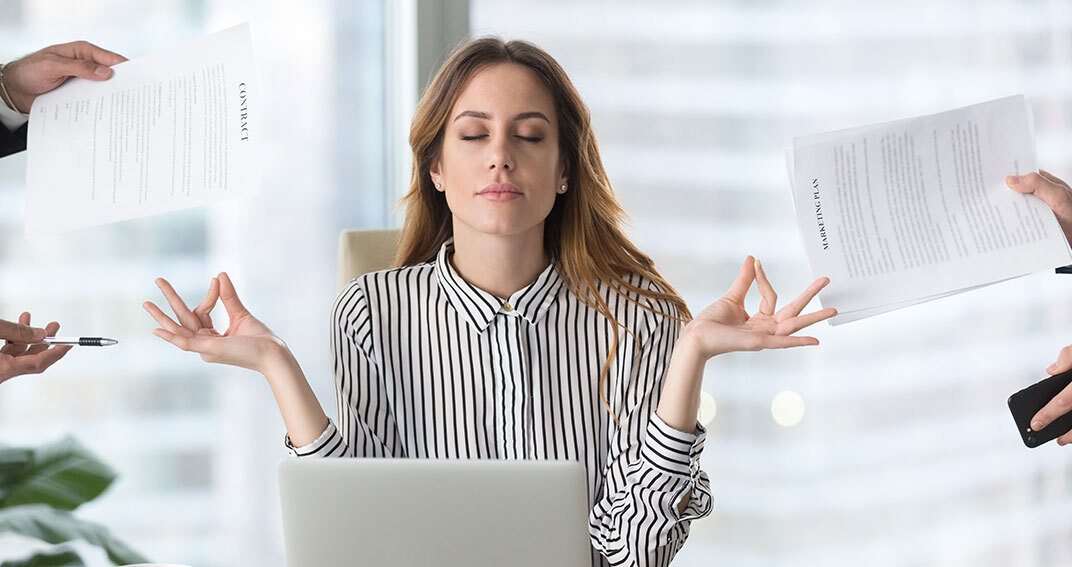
(247, 342)
(725, 326)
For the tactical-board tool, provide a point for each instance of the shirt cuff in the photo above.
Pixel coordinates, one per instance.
(323, 446)
(10, 118)
(671, 451)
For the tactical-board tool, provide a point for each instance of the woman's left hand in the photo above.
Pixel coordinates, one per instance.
(725, 326)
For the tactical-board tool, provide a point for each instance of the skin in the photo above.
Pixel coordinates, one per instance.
(44, 70)
(495, 134)
(24, 80)
(1058, 195)
(17, 357)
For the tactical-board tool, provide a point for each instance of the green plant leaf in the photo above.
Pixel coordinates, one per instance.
(57, 526)
(13, 464)
(63, 475)
(60, 558)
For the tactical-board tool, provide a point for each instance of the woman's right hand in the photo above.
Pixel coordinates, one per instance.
(1054, 192)
(247, 342)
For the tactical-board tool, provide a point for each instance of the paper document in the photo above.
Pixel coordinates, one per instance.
(167, 131)
(909, 211)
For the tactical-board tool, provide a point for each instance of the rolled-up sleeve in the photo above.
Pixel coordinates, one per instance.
(650, 468)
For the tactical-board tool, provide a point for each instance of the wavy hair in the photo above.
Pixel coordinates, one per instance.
(583, 233)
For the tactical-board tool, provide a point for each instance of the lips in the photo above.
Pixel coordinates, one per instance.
(500, 192)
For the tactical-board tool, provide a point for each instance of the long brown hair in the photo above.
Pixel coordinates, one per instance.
(583, 234)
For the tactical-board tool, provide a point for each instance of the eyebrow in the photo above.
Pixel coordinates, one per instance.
(486, 116)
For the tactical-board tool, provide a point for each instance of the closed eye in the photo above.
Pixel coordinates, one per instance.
(530, 139)
(471, 138)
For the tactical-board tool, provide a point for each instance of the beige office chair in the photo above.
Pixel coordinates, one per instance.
(364, 251)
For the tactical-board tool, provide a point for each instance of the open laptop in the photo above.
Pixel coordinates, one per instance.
(420, 512)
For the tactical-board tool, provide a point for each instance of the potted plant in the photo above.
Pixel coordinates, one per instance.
(40, 488)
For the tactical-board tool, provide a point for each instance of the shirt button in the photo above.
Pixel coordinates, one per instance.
(506, 307)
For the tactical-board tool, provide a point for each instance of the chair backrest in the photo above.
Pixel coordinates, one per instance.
(364, 251)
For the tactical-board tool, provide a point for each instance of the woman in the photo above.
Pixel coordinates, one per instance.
(522, 322)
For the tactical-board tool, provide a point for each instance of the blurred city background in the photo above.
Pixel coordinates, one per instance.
(905, 454)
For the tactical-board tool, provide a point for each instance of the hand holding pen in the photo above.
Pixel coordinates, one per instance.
(25, 350)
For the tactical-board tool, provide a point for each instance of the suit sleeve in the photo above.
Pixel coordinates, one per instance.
(12, 142)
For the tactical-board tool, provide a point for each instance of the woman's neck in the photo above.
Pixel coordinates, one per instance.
(499, 265)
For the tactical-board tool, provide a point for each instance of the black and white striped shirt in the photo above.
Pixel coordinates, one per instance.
(428, 366)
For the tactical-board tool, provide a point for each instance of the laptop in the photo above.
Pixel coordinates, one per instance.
(421, 512)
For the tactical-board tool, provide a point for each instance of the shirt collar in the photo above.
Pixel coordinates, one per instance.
(480, 308)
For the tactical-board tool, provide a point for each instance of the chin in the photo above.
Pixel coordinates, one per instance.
(503, 225)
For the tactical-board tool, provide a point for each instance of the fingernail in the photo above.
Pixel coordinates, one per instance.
(1036, 425)
(1013, 179)
(101, 71)
(1051, 368)
(38, 334)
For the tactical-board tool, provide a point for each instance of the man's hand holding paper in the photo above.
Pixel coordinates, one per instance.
(168, 131)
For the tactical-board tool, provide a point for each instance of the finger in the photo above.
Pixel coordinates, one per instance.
(744, 279)
(1055, 408)
(794, 324)
(50, 331)
(1065, 439)
(86, 50)
(19, 333)
(38, 363)
(60, 67)
(1053, 194)
(793, 308)
(779, 341)
(230, 297)
(766, 291)
(182, 313)
(201, 344)
(17, 349)
(204, 309)
(1063, 362)
(161, 318)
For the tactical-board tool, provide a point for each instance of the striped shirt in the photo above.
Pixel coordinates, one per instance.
(428, 366)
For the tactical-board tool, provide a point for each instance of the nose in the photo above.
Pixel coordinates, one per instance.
(499, 155)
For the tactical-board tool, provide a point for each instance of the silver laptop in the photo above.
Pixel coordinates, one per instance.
(419, 512)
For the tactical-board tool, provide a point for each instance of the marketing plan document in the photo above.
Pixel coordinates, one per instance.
(913, 210)
(167, 131)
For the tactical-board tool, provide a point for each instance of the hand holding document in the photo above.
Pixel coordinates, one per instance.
(909, 211)
(168, 131)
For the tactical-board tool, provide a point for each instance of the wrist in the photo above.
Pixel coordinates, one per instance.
(692, 346)
(277, 360)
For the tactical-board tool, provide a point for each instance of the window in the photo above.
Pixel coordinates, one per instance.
(906, 453)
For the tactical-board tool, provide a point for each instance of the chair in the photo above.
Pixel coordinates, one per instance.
(364, 251)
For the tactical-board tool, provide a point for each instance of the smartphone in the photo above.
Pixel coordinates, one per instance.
(1027, 402)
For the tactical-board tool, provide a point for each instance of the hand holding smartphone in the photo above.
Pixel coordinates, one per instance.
(1026, 403)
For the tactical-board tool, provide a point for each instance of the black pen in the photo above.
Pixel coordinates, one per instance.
(78, 341)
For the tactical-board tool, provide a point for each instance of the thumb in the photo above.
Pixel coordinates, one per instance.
(1051, 193)
(82, 68)
(229, 296)
(17, 333)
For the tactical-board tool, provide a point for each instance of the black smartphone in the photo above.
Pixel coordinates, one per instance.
(1027, 402)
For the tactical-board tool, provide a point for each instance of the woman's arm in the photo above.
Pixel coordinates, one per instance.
(246, 343)
(725, 326)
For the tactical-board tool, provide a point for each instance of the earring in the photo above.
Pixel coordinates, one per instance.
(438, 185)
(562, 189)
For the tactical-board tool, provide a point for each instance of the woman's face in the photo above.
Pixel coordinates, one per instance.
(500, 166)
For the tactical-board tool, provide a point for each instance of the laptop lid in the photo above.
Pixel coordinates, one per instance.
(421, 512)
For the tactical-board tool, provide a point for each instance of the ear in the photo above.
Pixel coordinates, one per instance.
(564, 177)
(437, 175)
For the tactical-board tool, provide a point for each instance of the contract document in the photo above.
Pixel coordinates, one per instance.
(913, 210)
(167, 131)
